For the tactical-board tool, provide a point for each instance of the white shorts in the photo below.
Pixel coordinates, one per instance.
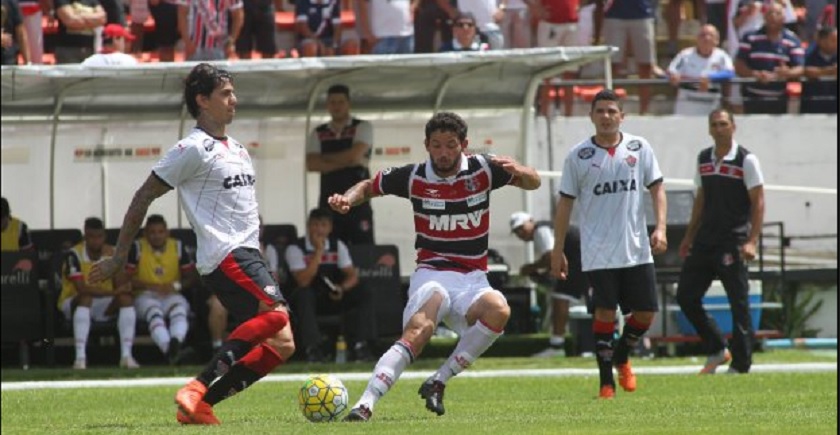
(459, 290)
(557, 35)
(97, 308)
(149, 299)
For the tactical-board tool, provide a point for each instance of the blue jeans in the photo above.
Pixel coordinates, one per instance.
(394, 45)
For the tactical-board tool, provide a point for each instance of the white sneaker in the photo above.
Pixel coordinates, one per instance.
(80, 364)
(551, 352)
(129, 363)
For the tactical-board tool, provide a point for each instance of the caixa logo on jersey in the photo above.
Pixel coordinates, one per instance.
(452, 222)
(239, 180)
(617, 186)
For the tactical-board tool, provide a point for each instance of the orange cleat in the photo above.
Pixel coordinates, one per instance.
(626, 378)
(203, 415)
(189, 397)
(607, 392)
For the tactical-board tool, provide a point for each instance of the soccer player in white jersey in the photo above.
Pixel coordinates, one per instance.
(450, 195)
(606, 174)
(215, 178)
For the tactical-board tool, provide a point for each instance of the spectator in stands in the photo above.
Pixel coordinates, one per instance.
(81, 301)
(820, 96)
(429, 16)
(13, 34)
(770, 55)
(32, 22)
(15, 235)
(697, 72)
(326, 281)
(465, 35)
(114, 14)
(516, 23)
(674, 18)
(77, 23)
(816, 12)
(113, 53)
(563, 292)
(159, 267)
(318, 25)
(745, 17)
(210, 28)
(557, 27)
(630, 23)
(340, 150)
(258, 29)
(386, 26)
(165, 14)
(139, 11)
(487, 15)
(720, 239)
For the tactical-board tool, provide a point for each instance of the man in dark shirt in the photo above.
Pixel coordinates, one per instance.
(820, 96)
(14, 34)
(77, 22)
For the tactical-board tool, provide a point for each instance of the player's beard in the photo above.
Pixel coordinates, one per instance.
(445, 169)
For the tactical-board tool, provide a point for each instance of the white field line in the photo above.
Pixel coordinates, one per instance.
(155, 382)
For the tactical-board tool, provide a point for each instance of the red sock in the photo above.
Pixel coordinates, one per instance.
(260, 327)
(262, 359)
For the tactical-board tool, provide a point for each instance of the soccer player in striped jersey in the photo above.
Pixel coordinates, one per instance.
(215, 180)
(450, 195)
(606, 174)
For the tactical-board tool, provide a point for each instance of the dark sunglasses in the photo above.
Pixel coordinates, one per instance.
(464, 25)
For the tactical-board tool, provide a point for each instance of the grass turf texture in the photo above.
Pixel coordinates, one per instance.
(803, 403)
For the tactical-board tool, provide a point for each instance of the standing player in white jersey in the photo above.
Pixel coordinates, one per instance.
(450, 195)
(607, 173)
(215, 179)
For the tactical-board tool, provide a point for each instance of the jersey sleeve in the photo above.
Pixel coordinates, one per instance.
(569, 186)
(294, 258)
(393, 181)
(364, 133)
(652, 173)
(752, 172)
(178, 164)
(344, 259)
(133, 256)
(498, 176)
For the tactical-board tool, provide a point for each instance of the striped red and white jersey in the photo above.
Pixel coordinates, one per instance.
(451, 215)
(208, 21)
(215, 180)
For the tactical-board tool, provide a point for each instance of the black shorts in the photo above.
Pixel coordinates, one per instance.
(630, 288)
(575, 286)
(257, 31)
(166, 23)
(242, 281)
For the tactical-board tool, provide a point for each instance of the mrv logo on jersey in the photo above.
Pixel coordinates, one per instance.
(452, 222)
(239, 180)
(615, 187)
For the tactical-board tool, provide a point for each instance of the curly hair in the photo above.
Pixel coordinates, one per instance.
(447, 121)
(202, 80)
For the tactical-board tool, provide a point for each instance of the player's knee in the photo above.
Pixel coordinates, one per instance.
(83, 301)
(495, 305)
(125, 300)
(283, 343)
(644, 317)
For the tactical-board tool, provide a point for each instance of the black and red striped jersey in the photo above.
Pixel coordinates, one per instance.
(451, 215)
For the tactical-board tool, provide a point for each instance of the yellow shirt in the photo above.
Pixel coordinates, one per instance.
(157, 267)
(77, 267)
(15, 237)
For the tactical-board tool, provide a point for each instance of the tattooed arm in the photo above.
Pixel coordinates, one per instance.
(359, 193)
(152, 189)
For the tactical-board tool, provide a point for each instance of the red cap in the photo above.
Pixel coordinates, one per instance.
(117, 31)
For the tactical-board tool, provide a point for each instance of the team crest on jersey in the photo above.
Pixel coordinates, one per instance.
(727, 259)
(469, 183)
(209, 144)
(387, 171)
(634, 145)
(477, 199)
(271, 290)
(586, 153)
(631, 161)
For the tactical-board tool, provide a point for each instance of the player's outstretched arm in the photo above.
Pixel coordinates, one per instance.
(526, 177)
(152, 189)
(359, 193)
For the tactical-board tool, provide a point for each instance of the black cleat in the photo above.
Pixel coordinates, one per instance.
(432, 391)
(362, 413)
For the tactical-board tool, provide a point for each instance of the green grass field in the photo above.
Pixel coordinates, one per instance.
(802, 403)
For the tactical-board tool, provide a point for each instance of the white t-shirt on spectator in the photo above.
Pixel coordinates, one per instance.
(297, 261)
(390, 18)
(110, 59)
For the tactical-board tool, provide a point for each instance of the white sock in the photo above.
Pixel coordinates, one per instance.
(159, 333)
(217, 344)
(125, 324)
(388, 369)
(557, 341)
(178, 325)
(81, 330)
(475, 341)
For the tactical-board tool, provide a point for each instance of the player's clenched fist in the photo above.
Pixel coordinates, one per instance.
(339, 203)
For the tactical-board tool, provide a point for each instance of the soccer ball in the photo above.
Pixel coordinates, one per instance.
(322, 398)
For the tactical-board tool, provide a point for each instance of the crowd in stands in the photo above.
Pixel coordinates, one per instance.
(71, 31)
